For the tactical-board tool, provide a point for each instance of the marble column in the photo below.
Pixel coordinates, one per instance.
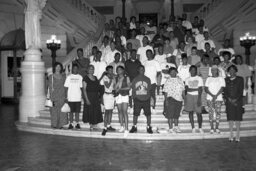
(32, 68)
(254, 95)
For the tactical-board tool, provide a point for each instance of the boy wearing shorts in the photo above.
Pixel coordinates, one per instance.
(141, 86)
(73, 86)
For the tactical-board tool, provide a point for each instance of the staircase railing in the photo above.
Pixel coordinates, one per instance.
(88, 10)
(208, 6)
(94, 39)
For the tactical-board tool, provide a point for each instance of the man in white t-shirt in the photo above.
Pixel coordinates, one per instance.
(214, 87)
(141, 53)
(185, 23)
(73, 86)
(99, 65)
(105, 47)
(193, 103)
(141, 36)
(201, 45)
(152, 71)
(110, 56)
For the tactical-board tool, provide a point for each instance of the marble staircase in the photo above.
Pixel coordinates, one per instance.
(41, 124)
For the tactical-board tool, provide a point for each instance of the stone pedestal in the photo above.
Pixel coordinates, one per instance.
(33, 88)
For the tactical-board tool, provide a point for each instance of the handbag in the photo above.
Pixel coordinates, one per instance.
(48, 101)
(65, 108)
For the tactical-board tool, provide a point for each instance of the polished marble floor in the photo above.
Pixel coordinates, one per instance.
(23, 151)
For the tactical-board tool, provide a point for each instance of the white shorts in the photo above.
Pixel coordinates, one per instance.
(109, 101)
(122, 99)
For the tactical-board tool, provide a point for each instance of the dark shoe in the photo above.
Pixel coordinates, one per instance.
(149, 130)
(204, 111)
(110, 128)
(133, 130)
(104, 132)
(78, 126)
(70, 126)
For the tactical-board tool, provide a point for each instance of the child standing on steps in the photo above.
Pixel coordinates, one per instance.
(194, 87)
(74, 85)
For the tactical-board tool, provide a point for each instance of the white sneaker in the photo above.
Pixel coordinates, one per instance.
(121, 129)
(153, 111)
(201, 130)
(193, 130)
(211, 131)
(126, 132)
(217, 131)
(171, 131)
(177, 129)
(131, 111)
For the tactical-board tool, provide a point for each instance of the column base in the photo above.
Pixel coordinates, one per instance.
(33, 86)
(254, 101)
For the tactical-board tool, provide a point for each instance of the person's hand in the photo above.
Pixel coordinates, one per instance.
(199, 102)
(88, 102)
(66, 100)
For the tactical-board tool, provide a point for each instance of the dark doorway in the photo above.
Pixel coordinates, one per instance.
(146, 17)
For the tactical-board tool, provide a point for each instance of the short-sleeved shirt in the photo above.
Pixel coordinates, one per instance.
(152, 67)
(194, 83)
(166, 66)
(99, 68)
(214, 84)
(141, 86)
(183, 72)
(74, 83)
(142, 52)
(174, 87)
(111, 87)
(161, 58)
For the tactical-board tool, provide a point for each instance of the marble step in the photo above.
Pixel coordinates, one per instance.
(160, 117)
(247, 122)
(141, 135)
(159, 109)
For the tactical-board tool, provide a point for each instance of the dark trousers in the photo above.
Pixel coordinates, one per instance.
(153, 94)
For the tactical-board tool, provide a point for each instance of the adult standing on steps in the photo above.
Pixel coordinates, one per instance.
(92, 94)
(57, 95)
(214, 87)
(233, 94)
(174, 92)
(141, 86)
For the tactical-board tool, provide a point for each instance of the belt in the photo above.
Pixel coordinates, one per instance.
(108, 92)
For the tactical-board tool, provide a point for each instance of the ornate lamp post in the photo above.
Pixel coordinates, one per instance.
(247, 41)
(53, 44)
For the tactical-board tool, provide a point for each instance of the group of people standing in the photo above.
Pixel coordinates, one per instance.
(128, 71)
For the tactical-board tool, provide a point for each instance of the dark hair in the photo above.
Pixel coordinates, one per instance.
(172, 69)
(184, 55)
(194, 48)
(109, 67)
(117, 53)
(167, 38)
(238, 56)
(80, 49)
(216, 57)
(207, 44)
(205, 56)
(140, 66)
(106, 37)
(149, 50)
(232, 66)
(226, 53)
(132, 17)
(75, 65)
(121, 67)
(55, 65)
(191, 67)
(95, 47)
(134, 50)
(98, 52)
